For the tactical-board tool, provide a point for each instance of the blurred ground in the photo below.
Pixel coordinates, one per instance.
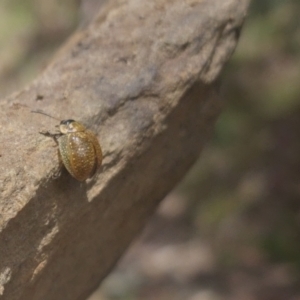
(231, 230)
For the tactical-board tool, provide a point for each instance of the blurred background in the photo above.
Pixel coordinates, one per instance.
(231, 229)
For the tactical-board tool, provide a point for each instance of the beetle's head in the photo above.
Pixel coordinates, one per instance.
(68, 126)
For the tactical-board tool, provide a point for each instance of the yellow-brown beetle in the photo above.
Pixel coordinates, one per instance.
(79, 149)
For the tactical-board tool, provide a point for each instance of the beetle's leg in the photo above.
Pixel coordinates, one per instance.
(57, 174)
(60, 167)
(54, 136)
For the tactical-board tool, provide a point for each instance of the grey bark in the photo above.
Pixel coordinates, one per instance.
(142, 77)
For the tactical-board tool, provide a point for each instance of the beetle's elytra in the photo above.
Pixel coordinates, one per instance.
(79, 149)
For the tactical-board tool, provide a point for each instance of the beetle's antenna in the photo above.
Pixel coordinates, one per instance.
(38, 111)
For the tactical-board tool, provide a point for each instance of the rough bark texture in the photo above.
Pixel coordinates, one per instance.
(142, 77)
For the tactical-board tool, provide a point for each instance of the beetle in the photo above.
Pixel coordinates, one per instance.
(78, 148)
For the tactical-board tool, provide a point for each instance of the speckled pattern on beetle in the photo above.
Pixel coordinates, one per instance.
(79, 150)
